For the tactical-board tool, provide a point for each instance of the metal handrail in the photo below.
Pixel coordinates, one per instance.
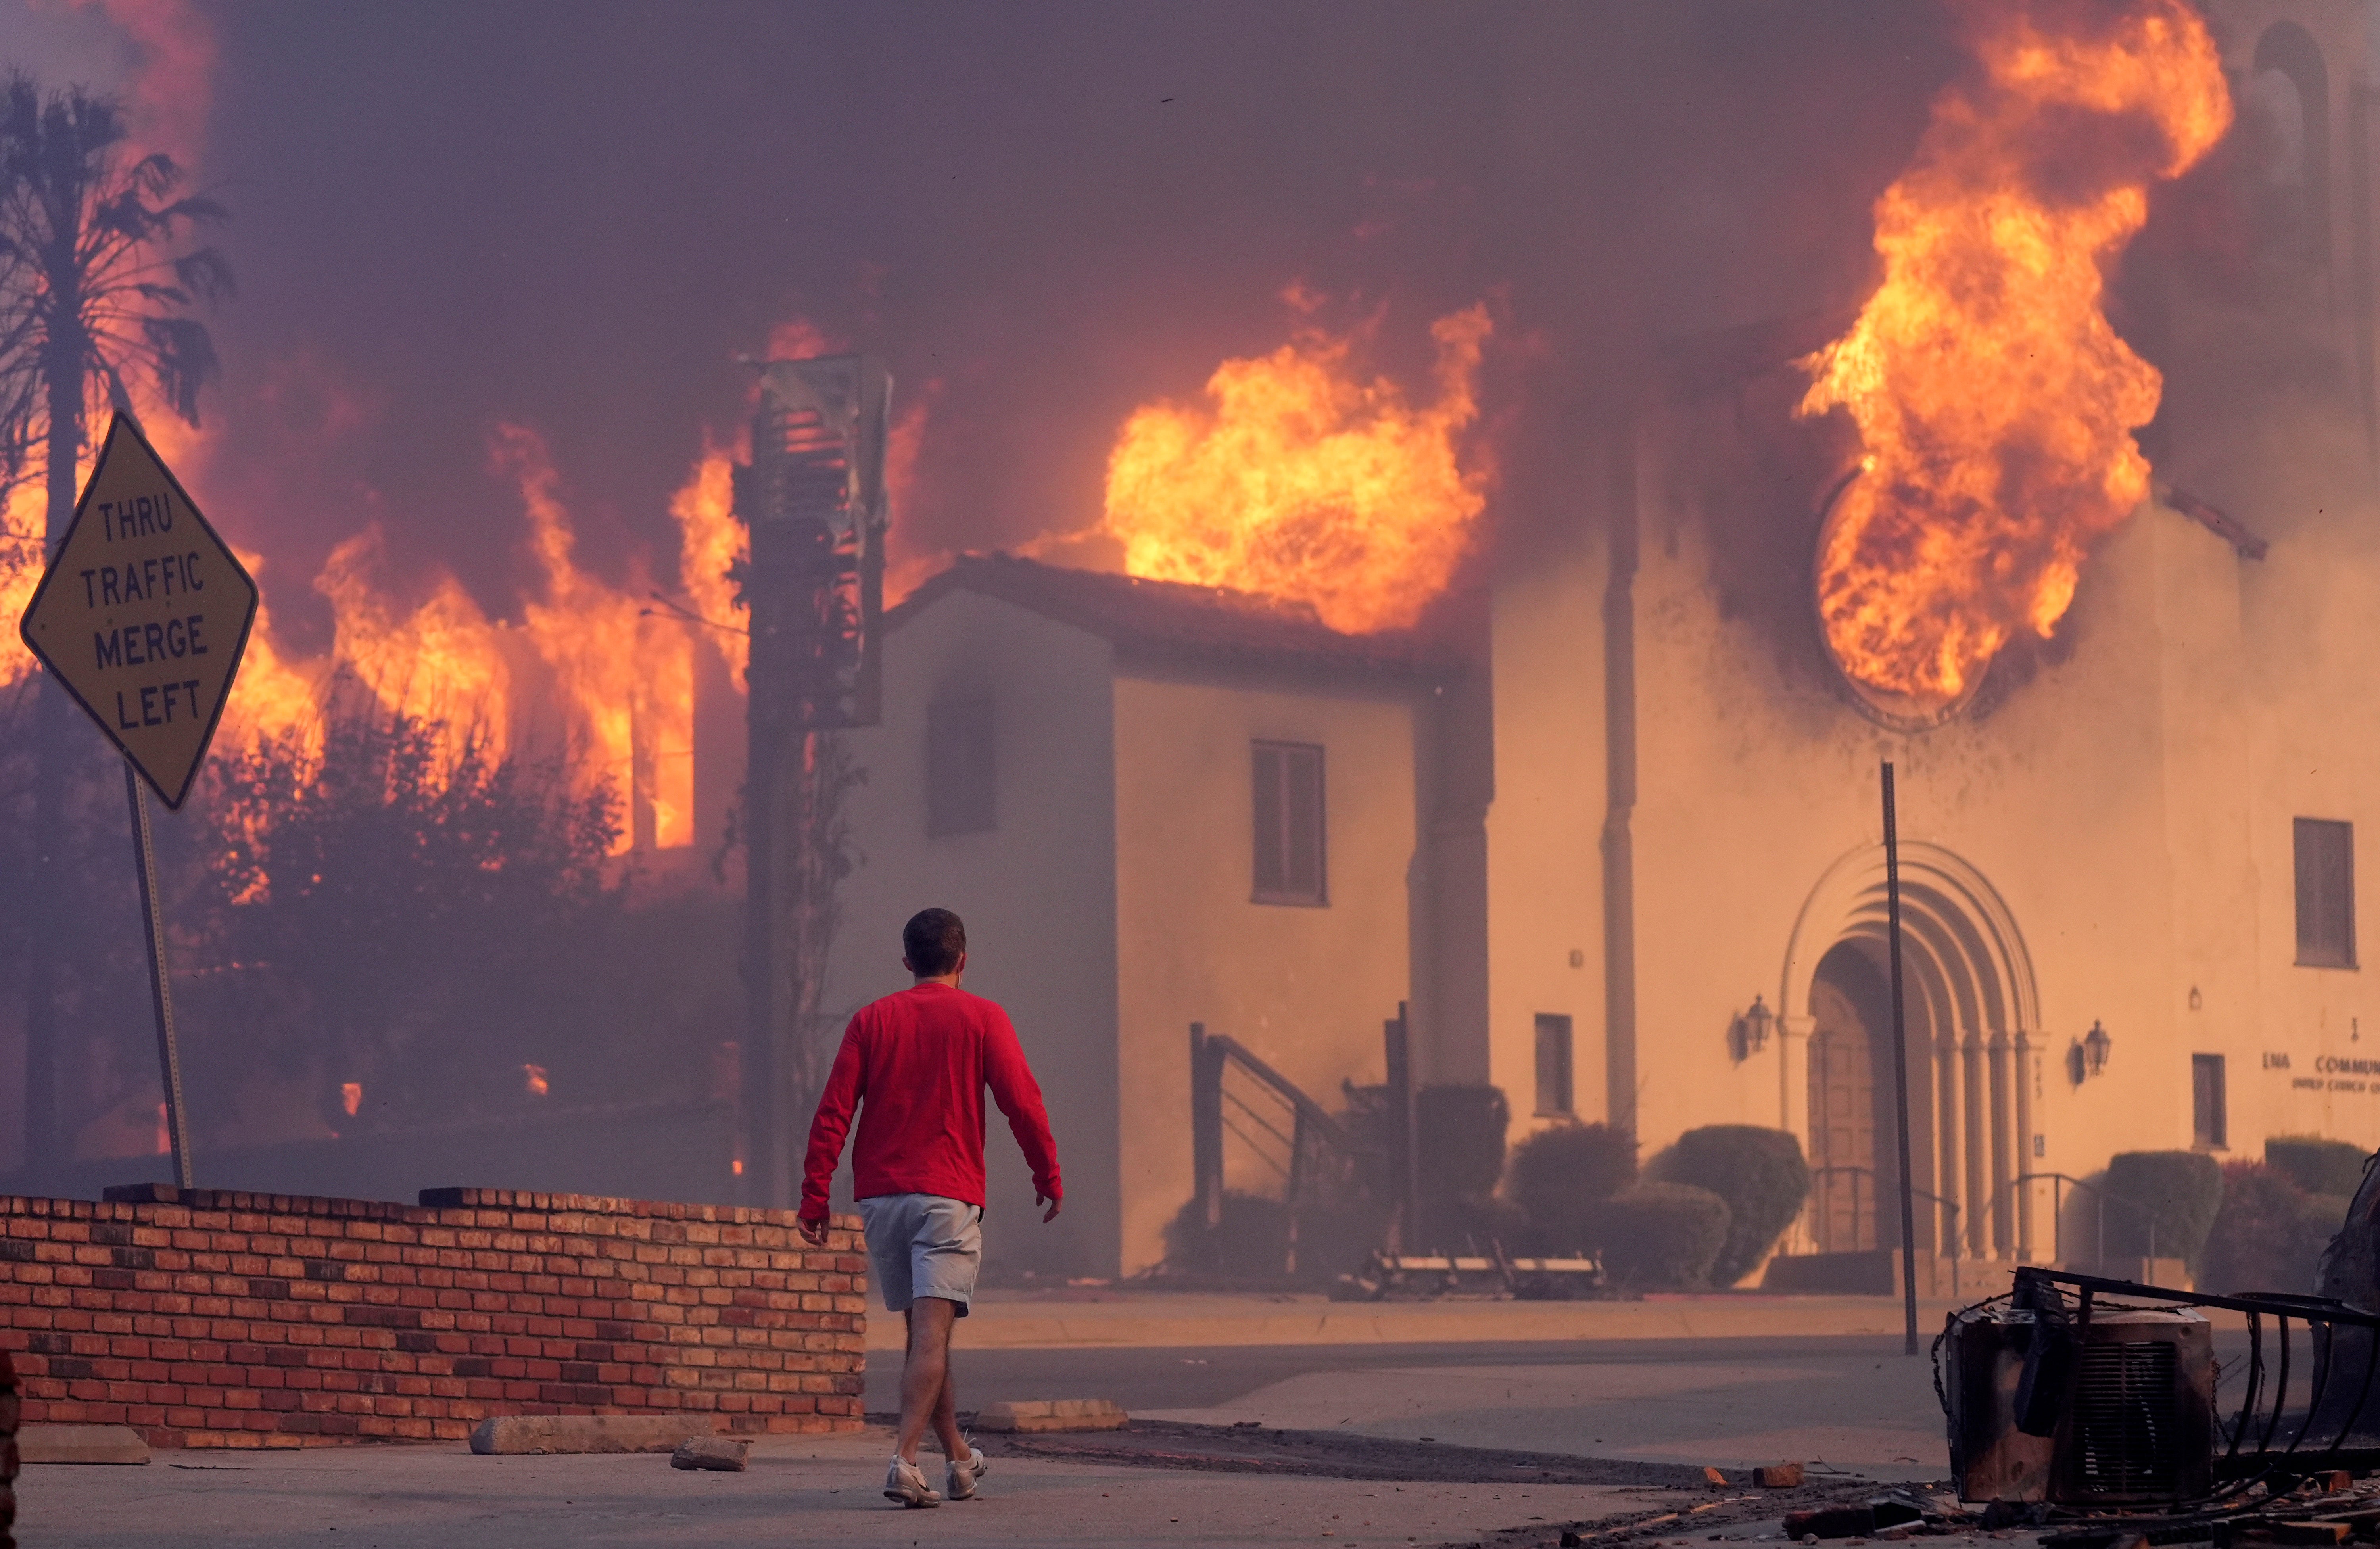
(1312, 1129)
(1870, 1174)
(2058, 1210)
(1307, 1110)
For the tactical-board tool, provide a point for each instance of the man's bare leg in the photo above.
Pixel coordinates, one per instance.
(927, 1394)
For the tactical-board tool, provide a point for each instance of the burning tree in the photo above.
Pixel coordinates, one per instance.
(91, 292)
(436, 913)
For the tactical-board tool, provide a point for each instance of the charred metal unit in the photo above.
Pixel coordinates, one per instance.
(2115, 1409)
(812, 501)
(2071, 1390)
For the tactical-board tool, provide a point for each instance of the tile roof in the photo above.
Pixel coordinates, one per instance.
(1172, 621)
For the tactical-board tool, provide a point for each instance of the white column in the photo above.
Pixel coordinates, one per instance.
(2003, 1152)
(2027, 1071)
(1793, 1105)
(1947, 1140)
(1974, 1129)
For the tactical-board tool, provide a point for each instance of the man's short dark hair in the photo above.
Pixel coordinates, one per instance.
(933, 941)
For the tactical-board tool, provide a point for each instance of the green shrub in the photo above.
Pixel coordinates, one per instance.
(2268, 1233)
(2317, 1165)
(1460, 1139)
(1559, 1177)
(1761, 1175)
(1250, 1243)
(2327, 1217)
(1337, 1231)
(2176, 1193)
(1663, 1236)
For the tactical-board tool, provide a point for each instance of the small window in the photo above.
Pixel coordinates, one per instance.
(1289, 824)
(2209, 1125)
(1553, 1065)
(959, 783)
(2325, 869)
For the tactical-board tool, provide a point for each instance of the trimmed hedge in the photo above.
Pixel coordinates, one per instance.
(1460, 1139)
(1251, 1243)
(2179, 1191)
(1562, 1176)
(2317, 1165)
(1761, 1175)
(2268, 1233)
(1663, 1236)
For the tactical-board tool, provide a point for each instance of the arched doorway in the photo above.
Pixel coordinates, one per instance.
(1851, 1012)
(2286, 100)
(1974, 1025)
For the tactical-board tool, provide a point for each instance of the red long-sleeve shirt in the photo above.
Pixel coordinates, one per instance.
(920, 1058)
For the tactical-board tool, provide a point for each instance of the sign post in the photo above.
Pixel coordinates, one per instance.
(143, 616)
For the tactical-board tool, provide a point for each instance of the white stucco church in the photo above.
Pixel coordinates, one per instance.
(1587, 844)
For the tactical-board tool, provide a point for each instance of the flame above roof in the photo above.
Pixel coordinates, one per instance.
(1172, 620)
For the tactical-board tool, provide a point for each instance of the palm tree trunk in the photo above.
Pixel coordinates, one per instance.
(52, 930)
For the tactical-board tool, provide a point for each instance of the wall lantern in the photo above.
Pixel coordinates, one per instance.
(2088, 1055)
(2096, 1044)
(1751, 1029)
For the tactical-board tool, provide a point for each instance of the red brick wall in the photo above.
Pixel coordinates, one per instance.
(207, 1318)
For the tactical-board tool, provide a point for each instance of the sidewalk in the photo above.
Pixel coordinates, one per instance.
(1125, 1317)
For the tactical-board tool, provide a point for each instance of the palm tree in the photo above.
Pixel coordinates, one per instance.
(91, 292)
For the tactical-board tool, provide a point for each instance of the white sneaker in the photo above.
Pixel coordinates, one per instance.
(905, 1483)
(959, 1480)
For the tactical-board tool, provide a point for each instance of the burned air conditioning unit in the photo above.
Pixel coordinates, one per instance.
(2050, 1399)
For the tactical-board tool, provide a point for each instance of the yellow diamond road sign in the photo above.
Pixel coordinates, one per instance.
(143, 613)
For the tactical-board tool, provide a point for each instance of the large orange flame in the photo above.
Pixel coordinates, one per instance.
(441, 659)
(710, 542)
(627, 674)
(1994, 403)
(1304, 481)
(590, 665)
(21, 572)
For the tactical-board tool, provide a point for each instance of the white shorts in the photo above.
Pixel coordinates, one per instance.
(923, 1245)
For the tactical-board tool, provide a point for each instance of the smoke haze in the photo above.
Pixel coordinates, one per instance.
(569, 217)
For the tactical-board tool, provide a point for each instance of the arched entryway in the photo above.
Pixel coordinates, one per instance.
(1972, 1016)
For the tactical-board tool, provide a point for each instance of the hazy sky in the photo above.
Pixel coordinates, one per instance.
(570, 216)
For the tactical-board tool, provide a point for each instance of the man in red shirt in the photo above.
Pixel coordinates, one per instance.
(918, 1061)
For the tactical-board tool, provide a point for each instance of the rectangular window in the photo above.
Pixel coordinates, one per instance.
(1553, 1065)
(2209, 1125)
(2326, 867)
(959, 784)
(1289, 824)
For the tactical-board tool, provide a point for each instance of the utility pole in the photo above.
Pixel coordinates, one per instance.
(812, 501)
(1901, 1066)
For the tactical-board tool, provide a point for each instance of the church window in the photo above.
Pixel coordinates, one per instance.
(1553, 1065)
(2209, 1124)
(959, 774)
(2325, 876)
(1289, 833)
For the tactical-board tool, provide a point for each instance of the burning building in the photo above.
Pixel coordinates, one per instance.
(1621, 855)
(1543, 695)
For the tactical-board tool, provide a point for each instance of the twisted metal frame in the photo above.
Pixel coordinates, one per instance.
(2263, 1413)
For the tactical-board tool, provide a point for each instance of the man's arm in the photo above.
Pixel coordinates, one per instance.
(845, 1084)
(1019, 1097)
